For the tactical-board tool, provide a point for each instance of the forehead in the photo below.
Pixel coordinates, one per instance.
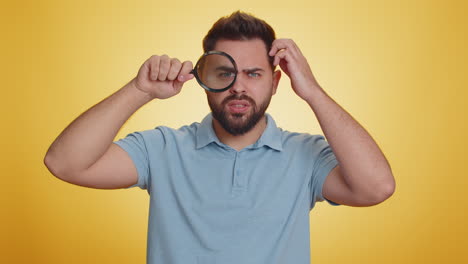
(246, 53)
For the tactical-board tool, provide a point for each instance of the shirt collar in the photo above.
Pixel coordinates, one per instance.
(271, 137)
(205, 133)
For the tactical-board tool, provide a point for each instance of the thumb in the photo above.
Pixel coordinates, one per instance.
(181, 79)
(184, 77)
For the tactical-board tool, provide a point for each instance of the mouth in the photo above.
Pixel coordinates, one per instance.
(238, 106)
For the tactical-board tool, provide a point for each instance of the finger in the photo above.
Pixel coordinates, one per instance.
(174, 70)
(279, 44)
(274, 47)
(164, 66)
(184, 74)
(285, 44)
(284, 66)
(153, 63)
(281, 55)
(295, 47)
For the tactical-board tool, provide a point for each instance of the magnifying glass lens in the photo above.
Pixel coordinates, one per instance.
(216, 72)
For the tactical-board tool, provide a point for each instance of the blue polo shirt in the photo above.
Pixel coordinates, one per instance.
(211, 204)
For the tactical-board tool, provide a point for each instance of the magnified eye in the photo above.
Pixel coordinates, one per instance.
(216, 71)
(226, 75)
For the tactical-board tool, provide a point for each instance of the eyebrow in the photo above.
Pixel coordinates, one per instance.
(224, 68)
(253, 70)
(227, 68)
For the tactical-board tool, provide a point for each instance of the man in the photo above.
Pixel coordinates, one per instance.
(233, 188)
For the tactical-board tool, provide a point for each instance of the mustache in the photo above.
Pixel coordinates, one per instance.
(238, 97)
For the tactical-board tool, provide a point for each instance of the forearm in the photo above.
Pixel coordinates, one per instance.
(87, 138)
(364, 175)
(363, 165)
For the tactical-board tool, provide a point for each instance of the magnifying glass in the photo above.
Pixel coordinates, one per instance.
(215, 71)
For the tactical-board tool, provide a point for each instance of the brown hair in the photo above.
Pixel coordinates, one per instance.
(240, 26)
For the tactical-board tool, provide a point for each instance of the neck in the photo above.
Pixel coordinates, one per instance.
(239, 142)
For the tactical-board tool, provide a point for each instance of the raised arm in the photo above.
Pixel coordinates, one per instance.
(363, 176)
(83, 153)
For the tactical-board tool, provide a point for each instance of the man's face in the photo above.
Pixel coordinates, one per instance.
(240, 108)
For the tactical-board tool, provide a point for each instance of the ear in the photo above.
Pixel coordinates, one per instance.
(276, 79)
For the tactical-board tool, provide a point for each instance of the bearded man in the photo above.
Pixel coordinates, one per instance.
(233, 188)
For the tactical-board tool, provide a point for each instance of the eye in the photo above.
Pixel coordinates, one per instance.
(254, 74)
(226, 75)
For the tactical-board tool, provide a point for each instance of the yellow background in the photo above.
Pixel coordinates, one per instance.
(399, 67)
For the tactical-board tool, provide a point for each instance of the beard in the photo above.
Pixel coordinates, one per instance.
(238, 123)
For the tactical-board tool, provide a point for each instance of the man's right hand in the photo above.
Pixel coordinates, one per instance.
(83, 153)
(162, 77)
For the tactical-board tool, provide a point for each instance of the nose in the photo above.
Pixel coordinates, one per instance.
(239, 85)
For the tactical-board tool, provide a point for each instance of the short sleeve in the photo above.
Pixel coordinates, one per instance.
(135, 145)
(324, 162)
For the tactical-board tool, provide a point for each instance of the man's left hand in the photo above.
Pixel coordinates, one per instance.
(289, 57)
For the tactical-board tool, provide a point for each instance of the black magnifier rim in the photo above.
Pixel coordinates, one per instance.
(214, 52)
